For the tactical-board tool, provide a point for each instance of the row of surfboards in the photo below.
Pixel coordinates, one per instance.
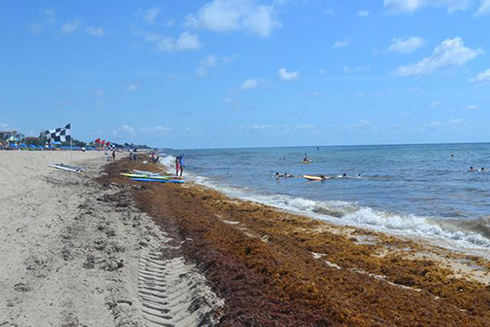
(150, 177)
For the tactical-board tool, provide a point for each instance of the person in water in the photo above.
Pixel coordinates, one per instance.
(344, 176)
(306, 159)
(286, 175)
(181, 164)
(483, 169)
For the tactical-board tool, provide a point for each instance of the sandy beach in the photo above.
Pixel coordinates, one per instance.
(97, 249)
(71, 256)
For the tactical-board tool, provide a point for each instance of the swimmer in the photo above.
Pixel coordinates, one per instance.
(278, 175)
(483, 169)
(472, 170)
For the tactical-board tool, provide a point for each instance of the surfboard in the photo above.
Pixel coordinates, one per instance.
(153, 180)
(73, 169)
(315, 178)
(151, 176)
(144, 172)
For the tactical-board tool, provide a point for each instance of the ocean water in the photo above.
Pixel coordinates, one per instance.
(412, 190)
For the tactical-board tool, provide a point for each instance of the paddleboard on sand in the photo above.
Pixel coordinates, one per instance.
(150, 176)
(153, 180)
(144, 172)
(315, 178)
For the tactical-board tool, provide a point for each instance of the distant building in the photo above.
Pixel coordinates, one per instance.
(5, 135)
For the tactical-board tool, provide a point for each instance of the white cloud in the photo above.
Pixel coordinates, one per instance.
(205, 64)
(235, 104)
(235, 15)
(410, 6)
(212, 61)
(406, 45)
(472, 107)
(124, 131)
(329, 11)
(450, 53)
(455, 121)
(363, 13)
(322, 72)
(484, 8)
(209, 61)
(340, 44)
(281, 128)
(95, 31)
(185, 41)
(360, 124)
(150, 15)
(434, 124)
(156, 130)
(284, 75)
(71, 26)
(434, 104)
(356, 69)
(250, 84)
(132, 87)
(483, 77)
(4, 127)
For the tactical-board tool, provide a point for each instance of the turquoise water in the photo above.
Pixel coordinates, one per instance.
(410, 189)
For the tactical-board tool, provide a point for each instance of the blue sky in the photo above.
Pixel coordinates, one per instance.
(249, 73)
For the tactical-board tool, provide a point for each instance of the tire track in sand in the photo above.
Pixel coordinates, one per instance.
(173, 293)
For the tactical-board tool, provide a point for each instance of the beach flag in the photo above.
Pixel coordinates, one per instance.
(97, 141)
(59, 134)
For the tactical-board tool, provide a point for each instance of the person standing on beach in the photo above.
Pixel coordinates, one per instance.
(114, 155)
(181, 164)
(177, 165)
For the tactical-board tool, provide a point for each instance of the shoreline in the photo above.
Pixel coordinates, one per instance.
(319, 271)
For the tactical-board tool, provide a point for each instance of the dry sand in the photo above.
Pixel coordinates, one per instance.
(71, 257)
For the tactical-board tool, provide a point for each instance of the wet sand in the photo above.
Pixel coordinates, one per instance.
(273, 268)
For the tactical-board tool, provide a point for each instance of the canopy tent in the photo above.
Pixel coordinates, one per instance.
(13, 139)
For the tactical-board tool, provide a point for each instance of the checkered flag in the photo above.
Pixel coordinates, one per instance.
(59, 134)
(112, 147)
